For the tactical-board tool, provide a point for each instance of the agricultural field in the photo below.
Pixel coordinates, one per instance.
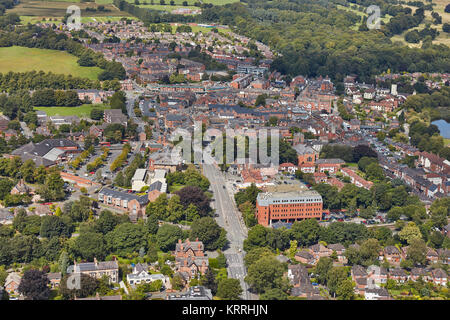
(59, 8)
(21, 59)
(81, 111)
(167, 7)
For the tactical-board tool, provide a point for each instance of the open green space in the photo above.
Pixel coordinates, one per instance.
(21, 59)
(81, 111)
(59, 8)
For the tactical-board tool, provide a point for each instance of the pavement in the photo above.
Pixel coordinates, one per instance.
(230, 219)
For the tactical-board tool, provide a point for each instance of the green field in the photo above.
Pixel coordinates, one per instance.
(81, 111)
(59, 8)
(446, 142)
(21, 59)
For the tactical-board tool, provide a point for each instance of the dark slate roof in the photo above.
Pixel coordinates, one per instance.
(157, 185)
(123, 195)
(359, 271)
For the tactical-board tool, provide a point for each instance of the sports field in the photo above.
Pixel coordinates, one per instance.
(81, 111)
(21, 59)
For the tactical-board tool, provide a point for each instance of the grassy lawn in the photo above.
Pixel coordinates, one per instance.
(442, 38)
(199, 29)
(351, 164)
(176, 187)
(168, 8)
(446, 142)
(81, 111)
(21, 59)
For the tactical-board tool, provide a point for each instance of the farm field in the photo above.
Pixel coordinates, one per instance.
(81, 111)
(21, 59)
(178, 2)
(59, 8)
(168, 8)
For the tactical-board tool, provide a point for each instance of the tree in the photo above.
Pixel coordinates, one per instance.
(322, 269)
(369, 251)
(152, 224)
(34, 285)
(177, 281)
(410, 232)
(255, 254)
(209, 281)
(256, 238)
(167, 236)
(196, 196)
(209, 232)
(158, 208)
(335, 277)
(107, 221)
(306, 232)
(229, 289)
(174, 209)
(63, 262)
(54, 226)
(345, 290)
(274, 294)
(89, 245)
(265, 274)
(88, 286)
(126, 238)
(417, 251)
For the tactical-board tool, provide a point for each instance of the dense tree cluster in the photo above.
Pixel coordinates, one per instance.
(347, 153)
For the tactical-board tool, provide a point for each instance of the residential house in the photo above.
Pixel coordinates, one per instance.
(392, 255)
(12, 283)
(299, 279)
(340, 250)
(140, 274)
(133, 204)
(97, 269)
(439, 276)
(190, 259)
(376, 294)
(398, 275)
(305, 257)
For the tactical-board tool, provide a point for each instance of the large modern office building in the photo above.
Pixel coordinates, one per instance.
(288, 206)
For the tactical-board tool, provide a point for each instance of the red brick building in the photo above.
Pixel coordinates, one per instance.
(288, 206)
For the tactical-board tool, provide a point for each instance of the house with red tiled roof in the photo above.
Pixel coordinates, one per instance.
(289, 167)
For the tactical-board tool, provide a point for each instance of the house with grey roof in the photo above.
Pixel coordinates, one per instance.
(97, 269)
(131, 203)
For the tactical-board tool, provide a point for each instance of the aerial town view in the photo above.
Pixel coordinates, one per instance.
(244, 150)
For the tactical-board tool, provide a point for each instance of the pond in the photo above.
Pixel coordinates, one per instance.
(444, 128)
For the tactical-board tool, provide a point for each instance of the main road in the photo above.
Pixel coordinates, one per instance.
(229, 218)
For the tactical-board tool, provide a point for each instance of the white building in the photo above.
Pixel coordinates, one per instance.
(138, 180)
